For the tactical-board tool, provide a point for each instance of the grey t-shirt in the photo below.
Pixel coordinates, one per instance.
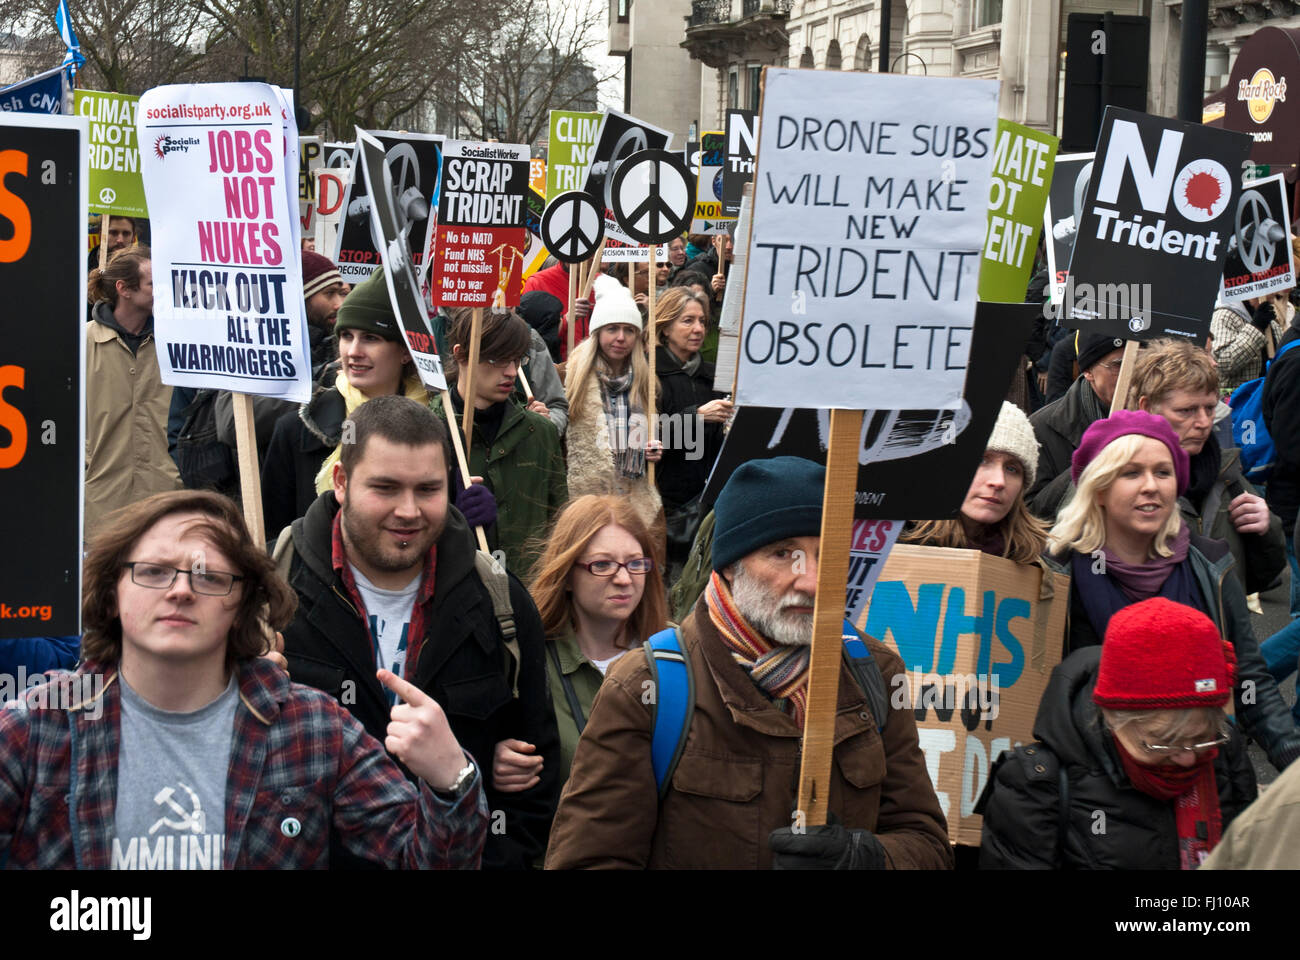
(171, 784)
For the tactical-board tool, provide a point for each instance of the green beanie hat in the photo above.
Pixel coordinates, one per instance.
(765, 501)
(367, 307)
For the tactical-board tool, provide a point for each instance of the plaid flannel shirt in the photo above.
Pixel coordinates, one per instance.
(295, 753)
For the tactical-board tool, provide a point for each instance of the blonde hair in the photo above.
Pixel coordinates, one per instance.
(671, 304)
(587, 360)
(1081, 524)
(575, 527)
(1169, 365)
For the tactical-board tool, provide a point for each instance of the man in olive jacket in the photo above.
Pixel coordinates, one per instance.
(384, 568)
(733, 791)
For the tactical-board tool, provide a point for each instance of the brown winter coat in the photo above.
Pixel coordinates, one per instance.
(736, 781)
(126, 424)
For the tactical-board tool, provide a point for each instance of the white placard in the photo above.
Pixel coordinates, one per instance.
(222, 188)
(870, 208)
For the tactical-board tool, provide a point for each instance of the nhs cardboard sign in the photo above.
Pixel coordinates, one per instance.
(1154, 227)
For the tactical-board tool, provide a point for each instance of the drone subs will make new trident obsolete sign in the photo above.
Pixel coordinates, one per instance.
(870, 212)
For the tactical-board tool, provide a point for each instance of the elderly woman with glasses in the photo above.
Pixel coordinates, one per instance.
(1135, 765)
(599, 594)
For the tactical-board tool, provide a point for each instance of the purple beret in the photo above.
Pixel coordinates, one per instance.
(1123, 423)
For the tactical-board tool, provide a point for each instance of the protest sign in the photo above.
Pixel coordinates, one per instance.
(331, 185)
(1022, 174)
(619, 137)
(569, 149)
(42, 93)
(481, 237)
(652, 196)
(311, 157)
(394, 213)
(709, 216)
(534, 209)
(979, 636)
(1260, 259)
(872, 541)
(1061, 218)
(415, 160)
(222, 186)
(338, 154)
(1154, 228)
(572, 227)
(742, 144)
(916, 464)
(116, 187)
(43, 174)
(869, 217)
(537, 175)
(724, 373)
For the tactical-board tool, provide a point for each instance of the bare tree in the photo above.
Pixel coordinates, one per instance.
(539, 60)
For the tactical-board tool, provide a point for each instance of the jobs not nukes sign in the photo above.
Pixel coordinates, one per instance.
(870, 212)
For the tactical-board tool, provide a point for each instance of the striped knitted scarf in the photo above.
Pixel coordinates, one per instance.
(621, 413)
(779, 671)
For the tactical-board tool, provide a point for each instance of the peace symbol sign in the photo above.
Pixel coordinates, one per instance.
(572, 226)
(653, 196)
(1256, 231)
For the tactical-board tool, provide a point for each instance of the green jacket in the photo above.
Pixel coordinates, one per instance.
(524, 469)
(585, 679)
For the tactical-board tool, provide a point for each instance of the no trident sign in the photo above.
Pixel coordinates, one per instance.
(572, 226)
(653, 196)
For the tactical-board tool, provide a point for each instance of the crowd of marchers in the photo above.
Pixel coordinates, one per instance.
(620, 679)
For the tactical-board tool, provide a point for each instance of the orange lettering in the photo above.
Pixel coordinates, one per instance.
(11, 419)
(14, 210)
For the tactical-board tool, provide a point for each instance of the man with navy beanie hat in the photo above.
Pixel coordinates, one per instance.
(727, 798)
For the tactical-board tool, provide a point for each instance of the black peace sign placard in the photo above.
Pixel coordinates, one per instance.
(572, 226)
(653, 196)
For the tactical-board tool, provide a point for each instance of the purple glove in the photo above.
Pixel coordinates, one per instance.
(478, 505)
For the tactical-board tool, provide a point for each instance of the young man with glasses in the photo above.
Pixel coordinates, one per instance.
(514, 452)
(1059, 426)
(195, 752)
(387, 576)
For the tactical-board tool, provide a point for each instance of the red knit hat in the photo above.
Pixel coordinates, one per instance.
(318, 272)
(1161, 655)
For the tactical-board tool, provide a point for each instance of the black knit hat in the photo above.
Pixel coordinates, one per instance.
(1093, 347)
(765, 501)
(369, 308)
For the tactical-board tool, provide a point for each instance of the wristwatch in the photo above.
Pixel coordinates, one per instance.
(459, 785)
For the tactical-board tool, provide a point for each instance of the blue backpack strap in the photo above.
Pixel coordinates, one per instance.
(674, 702)
(866, 672)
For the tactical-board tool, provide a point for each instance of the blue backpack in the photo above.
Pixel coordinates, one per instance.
(674, 706)
(1248, 429)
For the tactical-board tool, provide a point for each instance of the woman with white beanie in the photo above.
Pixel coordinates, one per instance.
(608, 385)
(994, 517)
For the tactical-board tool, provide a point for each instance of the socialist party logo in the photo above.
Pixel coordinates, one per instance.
(165, 145)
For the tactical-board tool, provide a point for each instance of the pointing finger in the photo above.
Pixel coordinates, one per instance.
(407, 691)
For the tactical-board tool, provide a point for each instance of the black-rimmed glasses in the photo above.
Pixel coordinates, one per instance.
(638, 566)
(211, 583)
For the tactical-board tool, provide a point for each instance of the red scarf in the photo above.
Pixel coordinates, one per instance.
(1196, 800)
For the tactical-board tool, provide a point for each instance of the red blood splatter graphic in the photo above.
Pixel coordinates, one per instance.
(157, 147)
(1203, 190)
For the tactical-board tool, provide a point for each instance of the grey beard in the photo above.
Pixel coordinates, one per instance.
(764, 613)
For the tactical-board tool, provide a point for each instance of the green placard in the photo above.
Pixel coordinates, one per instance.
(1023, 160)
(572, 138)
(115, 183)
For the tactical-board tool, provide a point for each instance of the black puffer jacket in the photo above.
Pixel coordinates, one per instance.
(683, 472)
(1108, 824)
(1281, 402)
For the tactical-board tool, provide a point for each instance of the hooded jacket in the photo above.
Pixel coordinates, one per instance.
(126, 419)
(1258, 704)
(463, 664)
(738, 775)
(1108, 824)
(1059, 427)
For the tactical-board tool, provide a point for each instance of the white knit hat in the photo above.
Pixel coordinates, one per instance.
(614, 304)
(1013, 434)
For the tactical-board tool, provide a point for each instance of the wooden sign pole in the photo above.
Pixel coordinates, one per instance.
(1125, 376)
(461, 462)
(103, 240)
(466, 384)
(589, 280)
(828, 615)
(523, 382)
(573, 295)
(651, 342)
(250, 477)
